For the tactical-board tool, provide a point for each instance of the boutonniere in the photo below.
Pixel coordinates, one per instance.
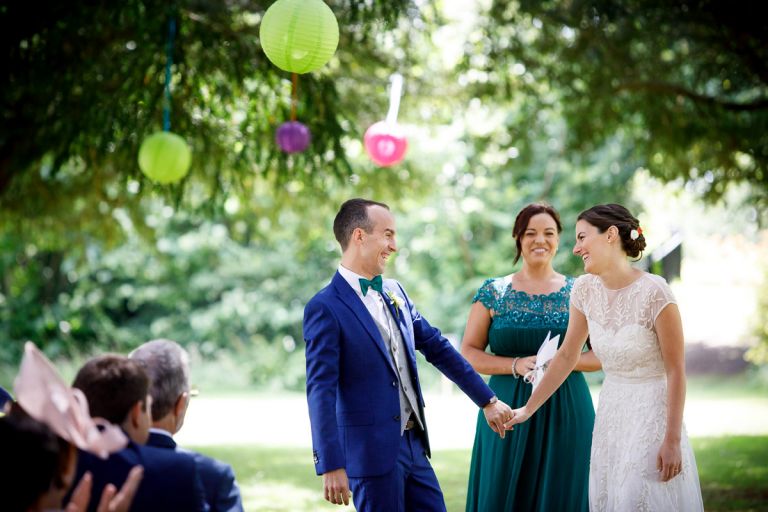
(396, 301)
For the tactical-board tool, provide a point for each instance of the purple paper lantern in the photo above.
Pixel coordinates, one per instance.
(293, 137)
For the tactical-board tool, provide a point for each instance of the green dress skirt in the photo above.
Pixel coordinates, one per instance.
(543, 464)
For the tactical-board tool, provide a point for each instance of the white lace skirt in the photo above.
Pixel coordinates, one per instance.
(629, 428)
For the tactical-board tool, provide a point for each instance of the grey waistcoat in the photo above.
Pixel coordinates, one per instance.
(408, 399)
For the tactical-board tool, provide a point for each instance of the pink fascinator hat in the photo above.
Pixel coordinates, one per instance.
(42, 393)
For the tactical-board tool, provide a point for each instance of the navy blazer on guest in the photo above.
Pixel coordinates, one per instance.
(171, 481)
(352, 389)
(221, 490)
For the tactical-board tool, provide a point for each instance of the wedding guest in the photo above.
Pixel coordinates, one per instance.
(511, 316)
(38, 440)
(641, 458)
(38, 467)
(43, 471)
(117, 389)
(167, 365)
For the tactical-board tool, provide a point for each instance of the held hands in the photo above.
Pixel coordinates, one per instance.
(496, 414)
(517, 416)
(336, 486)
(669, 461)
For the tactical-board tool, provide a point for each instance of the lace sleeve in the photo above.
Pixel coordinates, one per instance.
(659, 297)
(577, 293)
(486, 294)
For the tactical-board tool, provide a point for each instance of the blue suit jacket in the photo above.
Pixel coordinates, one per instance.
(171, 480)
(221, 490)
(352, 390)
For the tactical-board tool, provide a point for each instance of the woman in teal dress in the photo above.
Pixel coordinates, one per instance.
(543, 464)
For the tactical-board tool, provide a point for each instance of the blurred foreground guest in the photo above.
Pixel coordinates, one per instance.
(43, 471)
(43, 467)
(40, 435)
(117, 390)
(167, 365)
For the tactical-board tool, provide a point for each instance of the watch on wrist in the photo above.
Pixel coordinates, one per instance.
(492, 401)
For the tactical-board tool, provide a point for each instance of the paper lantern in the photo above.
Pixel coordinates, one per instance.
(385, 143)
(299, 35)
(164, 157)
(293, 137)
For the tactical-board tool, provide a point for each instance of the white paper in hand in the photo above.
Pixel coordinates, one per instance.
(543, 357)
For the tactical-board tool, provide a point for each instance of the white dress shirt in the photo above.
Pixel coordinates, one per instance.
(373, 300)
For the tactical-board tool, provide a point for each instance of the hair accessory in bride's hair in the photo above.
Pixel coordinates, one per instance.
(635, 233)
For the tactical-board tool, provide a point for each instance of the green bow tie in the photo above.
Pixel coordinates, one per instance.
(375, 283)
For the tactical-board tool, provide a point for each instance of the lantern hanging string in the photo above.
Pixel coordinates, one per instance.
(168, 64)
(395, 91)
(294, 94)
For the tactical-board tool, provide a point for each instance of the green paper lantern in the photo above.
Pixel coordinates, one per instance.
(299, 35)
(164, 157)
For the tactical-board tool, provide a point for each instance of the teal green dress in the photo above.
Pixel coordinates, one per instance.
(543, 464)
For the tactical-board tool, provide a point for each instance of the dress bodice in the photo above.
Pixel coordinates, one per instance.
(621, 323)
(520, 320)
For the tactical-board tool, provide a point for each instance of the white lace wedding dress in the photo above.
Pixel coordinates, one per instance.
(632, 410)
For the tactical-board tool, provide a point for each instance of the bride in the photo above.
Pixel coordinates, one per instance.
(641, 457)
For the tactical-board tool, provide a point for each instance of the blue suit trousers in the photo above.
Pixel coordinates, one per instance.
(410, 486)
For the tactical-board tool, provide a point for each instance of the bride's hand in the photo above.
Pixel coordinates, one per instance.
(518, 416)
(669, 462)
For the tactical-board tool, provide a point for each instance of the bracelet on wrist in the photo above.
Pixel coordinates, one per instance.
(514, 368)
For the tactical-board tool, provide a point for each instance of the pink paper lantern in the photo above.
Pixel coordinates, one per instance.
(385, 143)
(293, 137)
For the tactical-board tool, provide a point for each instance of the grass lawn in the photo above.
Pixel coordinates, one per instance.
(733, 473)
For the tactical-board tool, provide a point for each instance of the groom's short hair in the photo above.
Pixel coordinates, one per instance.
(353, 214)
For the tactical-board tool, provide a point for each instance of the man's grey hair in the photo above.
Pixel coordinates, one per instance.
(167, 365)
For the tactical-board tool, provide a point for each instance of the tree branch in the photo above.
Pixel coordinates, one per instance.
(672, 89)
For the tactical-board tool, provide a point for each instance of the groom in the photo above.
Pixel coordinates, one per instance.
(365, 404)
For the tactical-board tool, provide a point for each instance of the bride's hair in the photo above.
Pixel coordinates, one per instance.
(603, 216)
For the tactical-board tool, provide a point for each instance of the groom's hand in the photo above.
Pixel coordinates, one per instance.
(336, 486)
(518, 416)
(496, 414)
